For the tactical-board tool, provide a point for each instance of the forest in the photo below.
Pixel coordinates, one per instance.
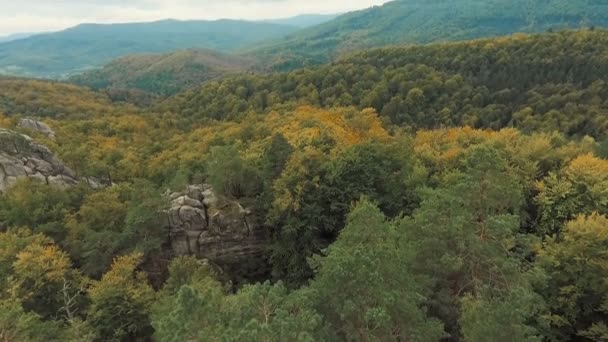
(422, 22)
(442, 192)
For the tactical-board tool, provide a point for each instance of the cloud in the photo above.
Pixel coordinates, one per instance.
(45, 15)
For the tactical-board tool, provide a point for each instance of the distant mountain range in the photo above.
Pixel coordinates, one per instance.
(304, 20)
(416, 21)
(64, 53)
(286, 44)
(56, 55)
(15, 36)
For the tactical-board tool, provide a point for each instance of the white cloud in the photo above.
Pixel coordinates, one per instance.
(48, 15)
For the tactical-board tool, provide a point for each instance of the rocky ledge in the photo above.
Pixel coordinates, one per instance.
(37, 126)
(212, 227)
(22, 157)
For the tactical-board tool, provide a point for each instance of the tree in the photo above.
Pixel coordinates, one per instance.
(39, 273)
(39, 207)
(189, 304)
(577, 290)
(194, 306)
(115, 221)
(503, 319)
(120, 302)
(230, 175)
(465, 236)
(580, 188)
(265, 312)
(364, 287)
(12, 243)
(313, 197)
(18, 325)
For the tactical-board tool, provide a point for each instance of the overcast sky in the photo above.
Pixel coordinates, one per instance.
(49, 15)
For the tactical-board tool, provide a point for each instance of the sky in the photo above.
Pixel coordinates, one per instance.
(17, 16)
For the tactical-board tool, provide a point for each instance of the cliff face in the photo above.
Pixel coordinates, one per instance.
(208, 226)
(21, 157)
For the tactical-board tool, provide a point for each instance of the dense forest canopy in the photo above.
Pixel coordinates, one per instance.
(163, 75)
(444, 192)
(539, 82)
(416, 21)
(301, 41)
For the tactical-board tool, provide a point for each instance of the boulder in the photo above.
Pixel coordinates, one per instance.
(37, 126)
(218, 229)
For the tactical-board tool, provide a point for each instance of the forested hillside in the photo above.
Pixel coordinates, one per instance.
(304, 20)
(15, 36)
(540, 82)
(86, 46)
(415, 21)
(449, 192)
(165, 74)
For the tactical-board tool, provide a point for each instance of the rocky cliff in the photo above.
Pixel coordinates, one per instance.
(208, 226)
(21, 157)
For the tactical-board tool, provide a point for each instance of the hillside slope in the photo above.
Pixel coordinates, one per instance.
(415, 21)
(164, 74)
(50, 99)
(304, 20)
(85, 46)
(15, 36)
(538, 82)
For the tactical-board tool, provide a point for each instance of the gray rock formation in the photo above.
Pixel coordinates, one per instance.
(37, 126)
(208, 226)
(21, 156)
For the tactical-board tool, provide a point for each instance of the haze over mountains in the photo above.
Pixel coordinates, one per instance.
(90, 45)
(415, 21)
(295, 42)
(15, 36)
(304, 20)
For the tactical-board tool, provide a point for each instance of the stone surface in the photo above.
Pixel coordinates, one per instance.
(21, 157)
(37, 126)
(209, 226)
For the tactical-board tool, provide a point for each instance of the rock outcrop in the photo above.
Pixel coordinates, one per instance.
(208, 226)
(37, 126)
(21, 157)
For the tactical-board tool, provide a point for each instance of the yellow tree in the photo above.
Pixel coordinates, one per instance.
(121, 300)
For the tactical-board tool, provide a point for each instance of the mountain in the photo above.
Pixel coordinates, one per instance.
(86, 46)
(163, 74)
(15, 36)
(304, 20)
(415, 21)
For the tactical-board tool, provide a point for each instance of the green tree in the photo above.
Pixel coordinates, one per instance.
(364, 287)
(121, 301)
(194, 306)
(577, 290)
(40, 207)
(502, 319)
(465, 235)
(18, 325)
(230, 175)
